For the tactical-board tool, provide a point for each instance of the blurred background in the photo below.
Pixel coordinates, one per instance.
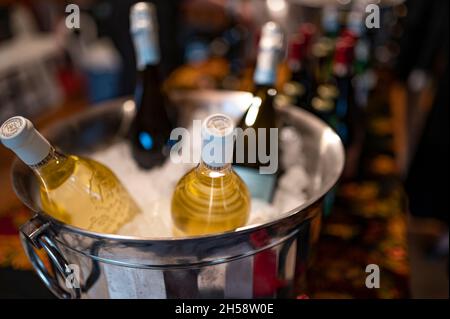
(391, 206)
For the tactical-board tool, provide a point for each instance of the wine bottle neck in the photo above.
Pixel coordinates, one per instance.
(213, 171)
(148, 79)
(150, 72)
(330, 21)
(266, 67)
(269, 54)
(144, 31)
(218, 153)
(146, 47)
(53, 157)
(54, 169)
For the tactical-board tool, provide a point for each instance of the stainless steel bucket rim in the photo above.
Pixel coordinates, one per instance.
(243, 230)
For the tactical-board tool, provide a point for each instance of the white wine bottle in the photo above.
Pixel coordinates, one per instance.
(77, 191)
(211, 198)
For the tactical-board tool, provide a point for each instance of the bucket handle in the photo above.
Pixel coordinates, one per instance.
(33, 236)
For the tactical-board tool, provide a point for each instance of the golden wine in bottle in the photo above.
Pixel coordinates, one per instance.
(77, 191)
(211, 198)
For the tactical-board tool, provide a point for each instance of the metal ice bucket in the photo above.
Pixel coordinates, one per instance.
(268, 260)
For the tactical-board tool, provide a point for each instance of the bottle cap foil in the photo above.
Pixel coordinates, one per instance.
(144, 31)
(271, 36)
(142, 16)
(270, 48)
(217, 140)
(19, 135)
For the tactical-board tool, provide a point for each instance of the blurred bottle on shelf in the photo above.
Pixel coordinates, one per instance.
(261, 116)
(325, 91)
(330, 21)
(234, 39)
(211, 198)
(334, 95)
(364, 76)
(77, 191)
(151, 127)
(296, 90)
(308, 32)
(299, 90)
(342, 76)
(322, 50)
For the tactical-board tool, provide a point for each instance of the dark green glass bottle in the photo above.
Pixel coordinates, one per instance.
(257, 170)
(151, 127)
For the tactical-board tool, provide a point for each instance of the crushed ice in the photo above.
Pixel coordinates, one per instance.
(152, 189)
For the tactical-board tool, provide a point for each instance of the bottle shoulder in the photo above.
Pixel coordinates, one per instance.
(75, 169)
(88, 164)
(200, 178)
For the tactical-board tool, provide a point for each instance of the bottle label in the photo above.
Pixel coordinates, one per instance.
(261, 186)
(266, 66)
(147, 50)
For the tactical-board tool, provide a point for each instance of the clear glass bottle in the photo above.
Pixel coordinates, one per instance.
(211, 198)
(77, 191)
